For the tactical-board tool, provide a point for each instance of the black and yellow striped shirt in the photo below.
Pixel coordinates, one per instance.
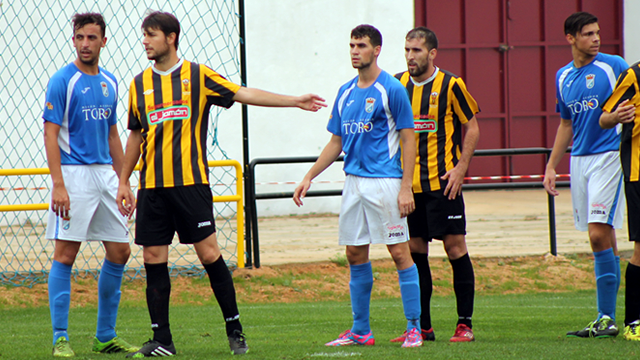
(440, 107)
(627, 89)
(172, 111)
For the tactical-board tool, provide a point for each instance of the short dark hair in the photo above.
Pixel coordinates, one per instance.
(163, 21)
(80, 20)
(374, 35)
(421, 32)
(576, 21)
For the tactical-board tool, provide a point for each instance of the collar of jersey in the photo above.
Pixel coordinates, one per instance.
(173, 68)
(435, 73)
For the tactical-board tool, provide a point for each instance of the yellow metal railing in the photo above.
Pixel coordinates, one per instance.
(213, 163)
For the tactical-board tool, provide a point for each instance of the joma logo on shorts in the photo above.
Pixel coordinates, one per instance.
(204, 223)
(454, 217)
(396, 234)
(598, 212)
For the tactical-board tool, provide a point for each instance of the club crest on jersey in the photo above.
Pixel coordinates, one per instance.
(434, 97)
(105, 89)
(368, 107)
(591, 80)
(185, 83)
(169, 114)
(49, 105)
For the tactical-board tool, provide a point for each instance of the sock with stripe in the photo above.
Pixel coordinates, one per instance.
(158, 294)
(225, 292)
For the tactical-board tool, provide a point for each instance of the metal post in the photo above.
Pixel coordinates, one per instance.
(245, 132)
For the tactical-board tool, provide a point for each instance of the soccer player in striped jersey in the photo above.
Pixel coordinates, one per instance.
(582, 86)
(622, 107)
(168, 117)
(372, 123)
(83, 149)
(442, 106)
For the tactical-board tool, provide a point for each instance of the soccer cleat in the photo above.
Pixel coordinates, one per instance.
(605, 327)
(115, 345)
(349, 338)
(62, 348)
(427, 335)
(463, 333)
(632, 331)
(583, 333)
(238, 343)
(153, 348)
(413, 339)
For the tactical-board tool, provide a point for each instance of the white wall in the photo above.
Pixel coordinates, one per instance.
(302, 46)
(631, 31)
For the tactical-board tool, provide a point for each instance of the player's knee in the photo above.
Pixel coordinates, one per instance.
(455, 246)
(118, 254)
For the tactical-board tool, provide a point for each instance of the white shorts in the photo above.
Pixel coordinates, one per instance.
(369, 213)
(94, 214)
(597, 190)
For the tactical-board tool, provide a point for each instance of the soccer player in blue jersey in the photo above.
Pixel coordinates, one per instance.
(582, 86)
(83, 148)
(370, 116)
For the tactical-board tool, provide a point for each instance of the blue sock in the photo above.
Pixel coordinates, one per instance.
(59, 299)
(108, 299)
(360, 285)
(410, 291)
(606, 282)
(618, 272)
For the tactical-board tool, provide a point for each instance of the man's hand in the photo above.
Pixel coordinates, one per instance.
(406, 203)
(310, 102)
(454, 185)
(301, 191)
(126, 200)
(625, 113)
(60, 203)
(549, 181)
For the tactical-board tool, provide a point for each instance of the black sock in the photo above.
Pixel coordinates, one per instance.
(632, 294)
(426, 288)
(158, 293)
(225, 292)
(463, 286)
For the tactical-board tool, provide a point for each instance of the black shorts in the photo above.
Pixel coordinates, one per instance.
(632, 192)
(187, 210)
(436, 216)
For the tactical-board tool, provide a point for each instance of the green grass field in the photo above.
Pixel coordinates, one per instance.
(529, 326)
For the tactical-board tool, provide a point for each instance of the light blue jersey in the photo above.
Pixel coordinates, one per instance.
(369, 120)
(85, 108)
(579, 93)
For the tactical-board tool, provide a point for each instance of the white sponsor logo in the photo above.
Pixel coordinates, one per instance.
(204, 223)
(350, 102)
(148, 92)
(584, 105)
(86, 89)
(357, 127)
(454, 217)
(96, 113)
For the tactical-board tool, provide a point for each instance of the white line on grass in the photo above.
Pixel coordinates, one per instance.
(335, 354)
